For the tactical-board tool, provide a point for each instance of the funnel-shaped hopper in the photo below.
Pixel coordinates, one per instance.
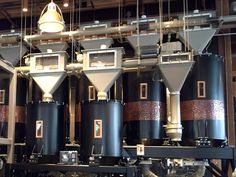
(174, 69)
(147, 43)
(96, 43)
(174, 74)
(56, 46)
(103, 79)
(48, 82)
(198, 39)
(13, 53)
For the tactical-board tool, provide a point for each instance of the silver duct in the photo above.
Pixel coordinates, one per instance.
(147, 172)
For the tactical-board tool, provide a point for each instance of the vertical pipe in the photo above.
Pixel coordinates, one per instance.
(175, 107)
(72, 102)
(174, 126)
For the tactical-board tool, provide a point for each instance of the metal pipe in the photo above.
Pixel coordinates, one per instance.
(147, 172)
(111, 30)
(135, 63)
(69, 67)
(228, 18)
(174, 127)
(74, 66)
(129, 28)
(175, 107)
(225, 34)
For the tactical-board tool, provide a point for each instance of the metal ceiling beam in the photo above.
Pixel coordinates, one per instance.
(5, 14)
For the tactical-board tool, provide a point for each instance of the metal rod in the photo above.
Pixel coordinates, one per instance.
(225, 34)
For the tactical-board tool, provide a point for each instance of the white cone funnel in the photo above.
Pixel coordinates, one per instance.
(48, 82)
(147, 41)
(174, 74)
(198, 39)
(56, 46)
(13, 54)
(103, 79)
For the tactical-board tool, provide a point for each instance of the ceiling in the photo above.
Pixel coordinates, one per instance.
(13, 7)
(11, 15)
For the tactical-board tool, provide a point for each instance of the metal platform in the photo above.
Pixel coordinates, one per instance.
(184, 152)
(13, 169)
(227, 155)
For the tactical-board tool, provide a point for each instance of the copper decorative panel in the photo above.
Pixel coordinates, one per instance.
(202, 109)
(144, 110)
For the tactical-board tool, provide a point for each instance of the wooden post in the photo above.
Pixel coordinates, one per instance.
(11, 117)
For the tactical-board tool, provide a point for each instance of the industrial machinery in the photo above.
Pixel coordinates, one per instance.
(158, 112)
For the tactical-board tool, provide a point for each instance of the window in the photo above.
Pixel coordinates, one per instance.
(39, 129)
(143, 91)
(201, 89)
(97, 128)
(2, 96)
(91, 93)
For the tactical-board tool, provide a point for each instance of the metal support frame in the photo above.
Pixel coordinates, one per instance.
(11, 169)
(226, 154)
(9, 141)
(180, 152)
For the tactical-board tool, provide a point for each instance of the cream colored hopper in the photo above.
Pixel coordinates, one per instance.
(197, 39)
(48, 71)
(174, 69)
(103, 67)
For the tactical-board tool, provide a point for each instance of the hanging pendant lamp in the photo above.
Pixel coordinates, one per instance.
(51, 19)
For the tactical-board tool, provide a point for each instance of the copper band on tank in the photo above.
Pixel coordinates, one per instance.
(19, 114)
(78, 113)
(144, 110)
(202, 109)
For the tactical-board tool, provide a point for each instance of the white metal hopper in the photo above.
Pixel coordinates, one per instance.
(48, 71)
(103, 67)
(174, 69)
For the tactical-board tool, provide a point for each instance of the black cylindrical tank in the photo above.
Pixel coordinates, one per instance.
(20, 116)
(45, 129)
(145, 108)
(101, 133)
(202, 102)
(85, 91)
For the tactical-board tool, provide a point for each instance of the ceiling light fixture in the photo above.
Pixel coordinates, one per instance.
(25, 6)
(66, 3)
(51, 19)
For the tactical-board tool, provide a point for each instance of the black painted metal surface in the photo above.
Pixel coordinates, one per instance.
(101, 130)
(53, 135)
(184, 152)
(144, 118)
(203, 110)
(12, 169)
